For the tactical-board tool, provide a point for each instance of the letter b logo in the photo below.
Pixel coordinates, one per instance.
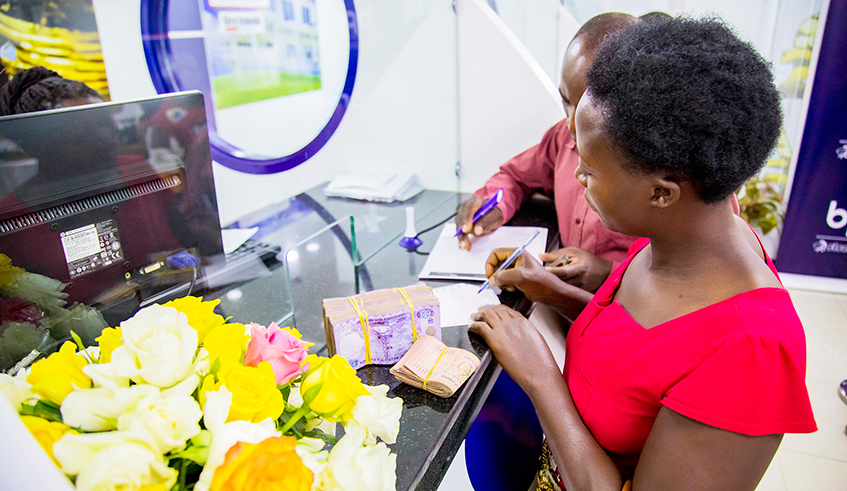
(836, 217)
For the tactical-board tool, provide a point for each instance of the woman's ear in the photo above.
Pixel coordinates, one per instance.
(665, 192)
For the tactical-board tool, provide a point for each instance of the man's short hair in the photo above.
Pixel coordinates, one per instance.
(595, 29)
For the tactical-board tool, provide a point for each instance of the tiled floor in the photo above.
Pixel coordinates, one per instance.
(813, 462)
(818, 461)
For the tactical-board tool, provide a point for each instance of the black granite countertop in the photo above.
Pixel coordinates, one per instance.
(321, 265)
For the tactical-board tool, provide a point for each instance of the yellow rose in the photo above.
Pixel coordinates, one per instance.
(109, 339)
(201, 315)
(46, 433)
(254, 393)
(54, 377)
(206, 385)
(270, 465)
(226, 343)
(331, 387)
(8, 273)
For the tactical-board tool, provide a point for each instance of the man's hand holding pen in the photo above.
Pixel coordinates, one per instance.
(485, 224)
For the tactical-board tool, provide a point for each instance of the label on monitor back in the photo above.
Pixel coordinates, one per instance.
(92, 247)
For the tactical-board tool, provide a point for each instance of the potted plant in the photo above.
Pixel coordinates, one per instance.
(761, 206)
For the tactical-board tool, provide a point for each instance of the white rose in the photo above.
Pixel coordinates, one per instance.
(377, 414)
(158, 348)
(171, 419)
(315, 461)
(354, 467)
(113, 460)
(202, 365)
(98, 409)
(16, 389)
(105, 375)
(225, 435)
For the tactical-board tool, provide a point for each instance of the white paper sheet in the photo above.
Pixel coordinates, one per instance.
(234, 237)
(459, 301)
(374, 187)
(447, 261)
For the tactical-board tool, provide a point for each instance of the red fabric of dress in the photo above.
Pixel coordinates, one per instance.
(738, 364)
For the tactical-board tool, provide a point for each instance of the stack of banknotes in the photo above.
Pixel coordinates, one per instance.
(434, 367)
(379, 327)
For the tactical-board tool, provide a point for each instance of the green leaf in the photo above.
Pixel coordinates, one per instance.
(285, 390)
(317, 433)
(216, 365)
(81, 347)
(311, 393)
(193, 453)
(43, 409)
(768, 224)
(188, 471)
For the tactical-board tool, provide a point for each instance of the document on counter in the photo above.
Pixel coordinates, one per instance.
(459, 301)
(448, 262)
(385, 187)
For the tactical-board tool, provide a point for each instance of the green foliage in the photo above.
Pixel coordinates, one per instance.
(761, 204)
(81, 348)
(43, 409)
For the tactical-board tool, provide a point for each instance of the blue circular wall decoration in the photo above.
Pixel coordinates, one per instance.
(171, 72)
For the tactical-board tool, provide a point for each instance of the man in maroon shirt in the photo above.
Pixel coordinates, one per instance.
(591, 250)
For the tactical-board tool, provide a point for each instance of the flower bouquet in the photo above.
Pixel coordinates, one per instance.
(34, 315)
(177, 398)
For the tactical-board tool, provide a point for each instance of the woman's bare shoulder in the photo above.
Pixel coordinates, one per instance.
(763, 276)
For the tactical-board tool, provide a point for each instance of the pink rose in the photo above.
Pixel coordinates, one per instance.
(278, 347)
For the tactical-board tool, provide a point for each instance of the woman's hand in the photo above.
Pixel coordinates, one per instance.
(578, 267)
(518, 346)
(485, 225)
(526, 275)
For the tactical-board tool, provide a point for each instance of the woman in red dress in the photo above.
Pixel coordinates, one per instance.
(688, 365)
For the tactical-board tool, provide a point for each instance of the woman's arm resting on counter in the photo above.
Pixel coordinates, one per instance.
(680, 453)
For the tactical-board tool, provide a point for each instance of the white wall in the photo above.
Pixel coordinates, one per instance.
(544, 27)
(506, 100)
(754, 20)
(402, 114)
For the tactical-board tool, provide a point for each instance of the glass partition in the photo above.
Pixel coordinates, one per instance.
(326, 247)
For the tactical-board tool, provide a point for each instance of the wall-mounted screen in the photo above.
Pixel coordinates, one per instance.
(277, 74)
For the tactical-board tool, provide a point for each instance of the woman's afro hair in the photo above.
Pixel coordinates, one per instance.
(687, 98)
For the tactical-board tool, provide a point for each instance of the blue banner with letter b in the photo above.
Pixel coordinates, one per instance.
(814, 237)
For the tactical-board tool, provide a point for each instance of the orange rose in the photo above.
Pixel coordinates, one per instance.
(270, 465)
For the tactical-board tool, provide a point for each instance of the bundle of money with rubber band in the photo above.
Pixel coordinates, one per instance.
(379, 327)
(434, 367)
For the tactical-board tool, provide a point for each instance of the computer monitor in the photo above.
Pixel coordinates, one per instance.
(100, 196)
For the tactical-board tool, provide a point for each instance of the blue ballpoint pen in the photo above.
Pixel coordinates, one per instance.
(485, 208)
(508, 262)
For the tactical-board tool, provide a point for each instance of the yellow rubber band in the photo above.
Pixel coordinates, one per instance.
(366, 328)
(433, 367)
(411, 313)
